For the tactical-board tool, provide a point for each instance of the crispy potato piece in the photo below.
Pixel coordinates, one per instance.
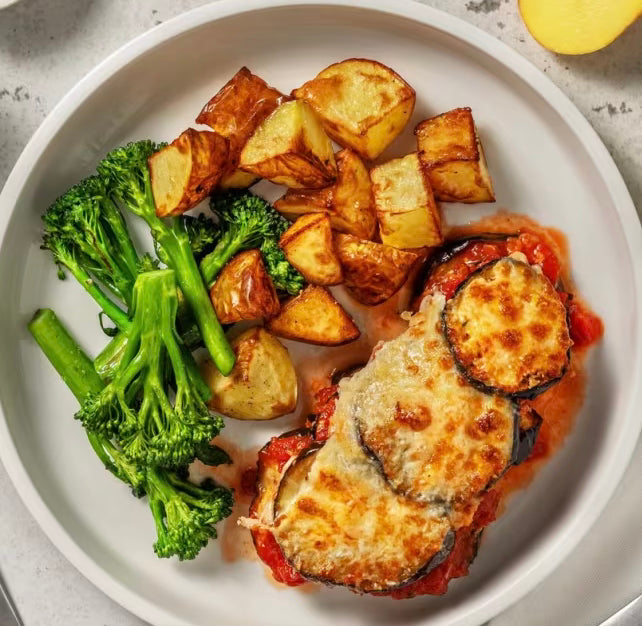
(308, 245)
(373, 272)
(235, 112)
(314, 316)
(184, 172)
(406, 209)
(244, 290)
(263, 383)
(349, 201)
(363, 104)
(238, 179)
(450, 150)
(290, 147)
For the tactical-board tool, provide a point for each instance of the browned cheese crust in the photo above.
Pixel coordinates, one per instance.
(507, 328)
(436, 437)
(337, 521)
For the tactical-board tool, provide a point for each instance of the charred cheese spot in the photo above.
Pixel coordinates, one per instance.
(423, 430)
(516, 342)
(416, 418)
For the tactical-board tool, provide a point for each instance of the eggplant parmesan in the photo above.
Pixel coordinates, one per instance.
(507, 329)
(389, 487)
(436, 437)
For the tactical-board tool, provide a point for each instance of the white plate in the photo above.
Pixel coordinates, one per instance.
(546, 161)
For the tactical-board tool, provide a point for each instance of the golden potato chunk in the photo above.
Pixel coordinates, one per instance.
(363, 104)
(263, 383)
(235, 112)
(238, 179)
(314, 316)
(290, 147)
(244, 290)
(308, 245)
(406, 209)
(373, 272)
(450, 150)
(348, 202)
(184, 172)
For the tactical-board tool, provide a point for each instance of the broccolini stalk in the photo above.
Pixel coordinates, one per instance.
(66, 254)
(134, 407)
(184, 513)
(126, 176)
(248, 221)
(77, 370)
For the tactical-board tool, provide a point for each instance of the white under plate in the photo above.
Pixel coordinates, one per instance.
(546, 162)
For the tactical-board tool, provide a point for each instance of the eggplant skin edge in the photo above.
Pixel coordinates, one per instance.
(526, 394)
(449, 250)
(437, 559)
(303, 432)
(526, 440)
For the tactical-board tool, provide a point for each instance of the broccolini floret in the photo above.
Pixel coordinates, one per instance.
(203, 234)
(135, 407)
(87, 235)
(126, 176)
(184, 513)
(248, 221)
(284, 275)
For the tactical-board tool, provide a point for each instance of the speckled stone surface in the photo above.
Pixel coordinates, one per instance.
(46, 46)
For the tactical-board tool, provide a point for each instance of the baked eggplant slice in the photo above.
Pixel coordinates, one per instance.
(269, 471)
(337, 521)
(508, 329)
(453, 247)
(435, 437)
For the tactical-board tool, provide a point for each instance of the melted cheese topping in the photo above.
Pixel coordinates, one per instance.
(507, 327)
(342, 523)
(436, 437)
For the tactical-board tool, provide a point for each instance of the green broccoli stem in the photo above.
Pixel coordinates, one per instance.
(212, 263)
(107, 362)
(111, 309)
(69, 360)
(108, 359)
(128, 254)
(77, 371)
(176, 243)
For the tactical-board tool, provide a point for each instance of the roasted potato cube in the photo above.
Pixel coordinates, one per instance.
(263, 383)
(373, 272)
(406, 209)
(308, 245)
(244, 290)
(238, 179)
(235, 112)
(184, 172)
(363, 104)
(349, 201)
(450, 150)
(314, 316)
(290, 147)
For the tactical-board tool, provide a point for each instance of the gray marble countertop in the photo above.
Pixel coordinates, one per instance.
(46, 46)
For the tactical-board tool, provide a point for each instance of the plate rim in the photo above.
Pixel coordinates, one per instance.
(577, 523)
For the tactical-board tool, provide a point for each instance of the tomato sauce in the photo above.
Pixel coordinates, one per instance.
(558, 405)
